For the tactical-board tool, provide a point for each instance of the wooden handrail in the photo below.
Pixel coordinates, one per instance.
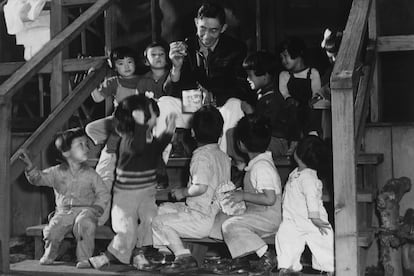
(69, 65)
(54, 46)
(45, 133)
(344, 75)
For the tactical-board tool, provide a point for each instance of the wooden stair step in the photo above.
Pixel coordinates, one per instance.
(362, 196)
(366, 237)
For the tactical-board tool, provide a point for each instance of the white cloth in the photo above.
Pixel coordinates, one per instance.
(302, 200)
(31, 25)
(232, 113)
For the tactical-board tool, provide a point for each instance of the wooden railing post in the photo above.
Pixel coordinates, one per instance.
(5, 145)
(110, 36)
(376, 95)
(59, 85)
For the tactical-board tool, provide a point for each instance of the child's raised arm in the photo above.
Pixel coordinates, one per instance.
(34, 175)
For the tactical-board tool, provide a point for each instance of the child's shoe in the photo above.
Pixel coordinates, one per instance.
(181, 265)
(45, 261)
(140, 262)
(100, 261)
(83, 264)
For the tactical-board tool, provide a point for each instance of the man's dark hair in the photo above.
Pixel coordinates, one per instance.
(261, 62)
(124, 121)
(63, 141)
(295, 46)
(212, 10)
(207, 125)
(254, 132)
(121, 53)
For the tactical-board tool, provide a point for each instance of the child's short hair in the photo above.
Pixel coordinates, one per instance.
(63, 141)
(254, 132)
(207, 124)
(212, 10)
(261, 62)
(121, 53)
(295, 46)
(124, 121)
(158, 43)
(314, 153)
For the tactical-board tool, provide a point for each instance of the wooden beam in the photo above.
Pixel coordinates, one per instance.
(376, 101)
(110, 26)
(258, 25)
(44, 134)
(77, 2)
(345, 200)
(396, 43)
(343, 75)
(59, 82)
(155, 20)
(69, 65)
(5, 145)
(29, 69)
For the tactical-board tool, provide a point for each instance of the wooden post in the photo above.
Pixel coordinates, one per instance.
(155, 22)
(5, 145)
(110, 36)
(59, 85)
(376, 94)
(258, 26)
(343, 139)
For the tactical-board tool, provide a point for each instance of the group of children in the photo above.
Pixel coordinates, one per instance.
(138, 137)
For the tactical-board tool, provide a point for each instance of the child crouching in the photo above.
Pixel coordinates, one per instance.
(80, 196)
(209, 168)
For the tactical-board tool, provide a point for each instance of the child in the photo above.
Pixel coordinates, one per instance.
(261, 68)
(152, 83)
(262, 194)
(194, 218)
(305, 220)
(298, 85)
(134, 189)
(80, 196)
(118, 87)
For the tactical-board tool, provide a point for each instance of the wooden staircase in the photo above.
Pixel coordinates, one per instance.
(354, 84)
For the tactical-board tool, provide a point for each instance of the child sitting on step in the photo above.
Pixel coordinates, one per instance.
(80, 196)
(194, 218)
(305, 220)
(135, 184)
(262, 194)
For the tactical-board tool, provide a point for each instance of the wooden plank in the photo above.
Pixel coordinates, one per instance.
(69, 65)
(44, 134)
(59, 82)
(396, 43)
(155, 21)
(5, 144)
(258, 25)
(77, 2)
(345, 200)
(343, 75)
(29, 69)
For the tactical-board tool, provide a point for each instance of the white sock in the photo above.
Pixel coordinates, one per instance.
(261, 251)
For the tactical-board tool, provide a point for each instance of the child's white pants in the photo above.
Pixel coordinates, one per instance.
(290, 243)
(128, 207)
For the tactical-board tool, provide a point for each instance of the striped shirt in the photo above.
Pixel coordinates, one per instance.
(138, 159)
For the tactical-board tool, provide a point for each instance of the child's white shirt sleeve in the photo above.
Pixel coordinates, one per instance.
(315, 81)
(312, 189)
(283, 80)
(265, 177)
(200, 170)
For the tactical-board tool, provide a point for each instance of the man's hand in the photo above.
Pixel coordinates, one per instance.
(322, 225)
(178, 50)
(24, 156)
(178, 193)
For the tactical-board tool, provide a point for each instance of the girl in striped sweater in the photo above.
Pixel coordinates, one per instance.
(135, 184)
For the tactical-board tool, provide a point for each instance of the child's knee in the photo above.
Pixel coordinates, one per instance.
(84, 226)
(228, 226)
(157, 224)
